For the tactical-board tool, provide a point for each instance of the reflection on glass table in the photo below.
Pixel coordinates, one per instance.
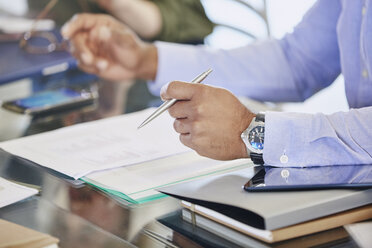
(102, 211)
(311, 178)
(72, 231)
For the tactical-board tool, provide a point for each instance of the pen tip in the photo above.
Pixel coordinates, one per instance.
(140, 126)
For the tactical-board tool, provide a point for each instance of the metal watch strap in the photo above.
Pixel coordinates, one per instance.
(256, 158)
(260, 117)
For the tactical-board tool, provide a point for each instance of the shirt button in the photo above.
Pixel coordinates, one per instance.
(284, 159)
(284, 173)
(364, 10)
(364, 73)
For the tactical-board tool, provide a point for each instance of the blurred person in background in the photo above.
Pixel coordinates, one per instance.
(181, 21)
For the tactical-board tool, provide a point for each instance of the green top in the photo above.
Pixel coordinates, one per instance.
(184, 21)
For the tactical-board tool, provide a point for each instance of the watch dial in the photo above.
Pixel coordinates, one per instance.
(256, 137)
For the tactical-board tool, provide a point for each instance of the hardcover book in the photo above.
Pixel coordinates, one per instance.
(223, 194)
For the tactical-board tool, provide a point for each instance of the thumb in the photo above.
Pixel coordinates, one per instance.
(125, 47)
(124, 37)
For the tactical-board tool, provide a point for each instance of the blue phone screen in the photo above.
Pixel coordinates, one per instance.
(46, 98)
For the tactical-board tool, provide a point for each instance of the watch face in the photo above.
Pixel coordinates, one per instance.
(256, 137)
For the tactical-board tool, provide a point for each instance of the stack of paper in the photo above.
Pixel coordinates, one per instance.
(113, 155)
(12, 192)
(99, 145)
(138, 183)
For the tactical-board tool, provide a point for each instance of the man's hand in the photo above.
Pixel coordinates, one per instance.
(108, 48)
(210, 120)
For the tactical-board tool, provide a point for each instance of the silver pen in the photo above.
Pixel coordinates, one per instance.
(167, 104)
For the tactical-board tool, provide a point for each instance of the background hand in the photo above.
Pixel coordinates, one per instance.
(210, 120)
(106, 47)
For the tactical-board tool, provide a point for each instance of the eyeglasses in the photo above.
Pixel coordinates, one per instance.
(42, 42)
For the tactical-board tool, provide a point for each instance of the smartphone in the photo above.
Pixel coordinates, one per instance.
(52, 101)
(310, 178)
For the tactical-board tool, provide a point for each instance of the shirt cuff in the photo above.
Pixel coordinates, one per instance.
(286, 139)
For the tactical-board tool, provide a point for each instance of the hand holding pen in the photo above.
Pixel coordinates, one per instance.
(167, 104)
(208, 119)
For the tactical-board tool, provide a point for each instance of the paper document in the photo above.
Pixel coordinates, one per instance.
(138, 183)
(12, 192)
(98, 145)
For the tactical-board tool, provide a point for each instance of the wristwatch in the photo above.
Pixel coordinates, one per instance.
(253, 138)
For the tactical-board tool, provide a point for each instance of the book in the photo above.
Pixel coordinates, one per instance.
(19, 64)
(236, 231)
(222, 236)
(265, 210)
(17, 236)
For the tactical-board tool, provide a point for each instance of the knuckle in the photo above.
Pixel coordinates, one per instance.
(199, 110)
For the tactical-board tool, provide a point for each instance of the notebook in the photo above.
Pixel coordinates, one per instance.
(265, 210)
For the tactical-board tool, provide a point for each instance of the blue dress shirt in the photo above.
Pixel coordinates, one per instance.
(334, 37)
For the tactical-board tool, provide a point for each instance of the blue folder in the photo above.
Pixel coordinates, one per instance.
(15, 63)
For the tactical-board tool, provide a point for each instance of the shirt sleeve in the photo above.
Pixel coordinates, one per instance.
(299, 140)
(290, 69)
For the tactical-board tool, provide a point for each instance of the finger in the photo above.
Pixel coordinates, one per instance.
(83, 22)
(101, 45)
(110, 44)
(81, 50)
(100, 33)
(181, 109)
(186, 140)
(182, 126)
(178, 90)
(116, 72)
(88, 69)
(123, 36)
(124, 46)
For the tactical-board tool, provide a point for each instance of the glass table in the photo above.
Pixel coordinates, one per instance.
(83, 216)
